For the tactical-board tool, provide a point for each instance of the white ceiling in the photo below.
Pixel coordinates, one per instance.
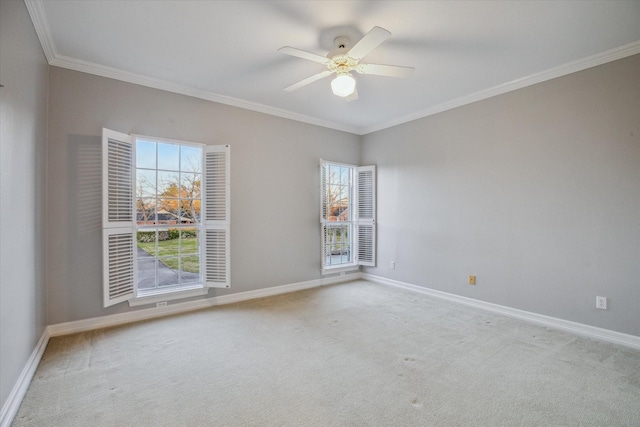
(226, 51)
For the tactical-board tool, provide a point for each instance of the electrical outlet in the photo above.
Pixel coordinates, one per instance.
(601, 303)
(392, 265)
(161, 304)
(472, 280)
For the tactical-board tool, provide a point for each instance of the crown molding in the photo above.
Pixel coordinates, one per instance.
(41, 25)
(562, 70)
(125, 76)
(40, 22)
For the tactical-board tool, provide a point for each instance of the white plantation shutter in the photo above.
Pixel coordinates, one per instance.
(325, 249)
(323, 213)
(117, 217)
(118, 253)
(366, 215)
(216, 216)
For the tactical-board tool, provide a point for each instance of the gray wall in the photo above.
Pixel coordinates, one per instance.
(537, 192)
(275, 236)
(23, 126)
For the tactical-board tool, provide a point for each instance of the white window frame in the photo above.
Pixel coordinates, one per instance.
(362, 220)
(119, 213)
(147, 296)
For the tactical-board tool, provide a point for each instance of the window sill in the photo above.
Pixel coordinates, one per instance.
(337, 270)
(152, 297)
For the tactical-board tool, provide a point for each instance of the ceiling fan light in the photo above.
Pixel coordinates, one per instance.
(343, 85)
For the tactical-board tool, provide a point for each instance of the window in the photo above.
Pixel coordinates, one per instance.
(347, 216)
(165, 216)
(168, 221)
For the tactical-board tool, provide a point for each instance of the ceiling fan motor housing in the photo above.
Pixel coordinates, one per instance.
(341, 42)
(340, 61)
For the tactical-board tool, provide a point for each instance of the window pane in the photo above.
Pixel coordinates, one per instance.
(191, 159)
(334, 174)
(145, 183)
(145, 154)
(337, 245)
(344, 204)
(168, 273)
(169, 262)
(190, 211)
(190, 184)
(189, 241)
(168, 184)
(168, 156)
(190, 268)
(168, 212)
(344, 175)
(146, 243)
(146, 271)
(338, 211)
(333, 201)
(334, 192)
(343, 196)
(168, 242)
(145, 211)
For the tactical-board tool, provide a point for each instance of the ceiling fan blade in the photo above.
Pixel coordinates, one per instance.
(303, 54)
(352, 97)
(385, 70)
(370, 41)
(307, 81)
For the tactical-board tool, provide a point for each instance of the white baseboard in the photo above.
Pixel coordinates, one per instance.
(593, 332)
(183, 307)
(12, 404)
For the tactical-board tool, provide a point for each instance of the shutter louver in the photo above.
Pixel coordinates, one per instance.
(118, 233)
(216, 267)
(216, 187)
(365, 194)
(120, 264)
(323, 192)
(120, 181)
(366, 244)
(324, 252)
(323, 214)
(217, 210)
(366, 215)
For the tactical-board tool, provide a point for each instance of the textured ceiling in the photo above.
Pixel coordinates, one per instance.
(227, 51)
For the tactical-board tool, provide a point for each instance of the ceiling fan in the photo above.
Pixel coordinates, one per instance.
(343, 59)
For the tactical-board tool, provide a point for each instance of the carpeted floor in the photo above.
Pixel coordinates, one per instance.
(354, 354)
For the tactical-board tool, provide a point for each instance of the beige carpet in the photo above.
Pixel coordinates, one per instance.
(355, 354)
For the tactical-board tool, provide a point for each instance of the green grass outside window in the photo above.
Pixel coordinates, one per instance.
(170, 248)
